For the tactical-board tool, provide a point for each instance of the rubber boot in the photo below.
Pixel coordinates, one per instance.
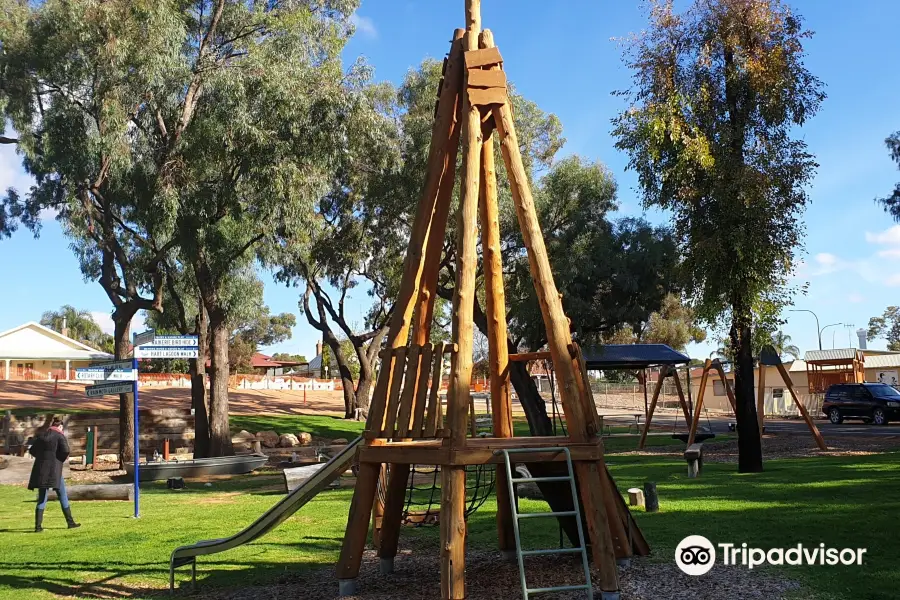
(68, 513)
(38, 519)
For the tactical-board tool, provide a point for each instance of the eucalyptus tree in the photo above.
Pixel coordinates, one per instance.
(270, 106)
(718, 93)
(75, 80)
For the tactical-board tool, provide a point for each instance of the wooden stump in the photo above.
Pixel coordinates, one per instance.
(636, 497)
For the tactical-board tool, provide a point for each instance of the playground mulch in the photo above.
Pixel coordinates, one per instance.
(417, 577)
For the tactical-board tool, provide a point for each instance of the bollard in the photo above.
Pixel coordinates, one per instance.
(651, 499)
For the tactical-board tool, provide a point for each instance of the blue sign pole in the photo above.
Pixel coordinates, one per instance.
(137, 444)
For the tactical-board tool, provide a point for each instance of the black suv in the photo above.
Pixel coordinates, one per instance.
(872, 402)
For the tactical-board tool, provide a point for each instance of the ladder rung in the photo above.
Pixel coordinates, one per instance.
(540, 479)
(565, 513)
(562, 588)
(552, 551)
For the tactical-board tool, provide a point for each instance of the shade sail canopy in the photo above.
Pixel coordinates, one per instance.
(632, 356)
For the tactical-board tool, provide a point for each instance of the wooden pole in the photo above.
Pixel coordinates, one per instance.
(656, 391)
(761, 398)
(820, 441)
(389, 514)
(581, 427)
(728, 391)
(466, 259)
(453, 479)
(699, 406)
(684, 406)
(450, 102)
(557, 325)
(357, 526)
(495, 297)
(644, 385)
(453, 533)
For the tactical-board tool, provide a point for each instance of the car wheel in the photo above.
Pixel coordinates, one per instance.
(835, 416)
(879, 417)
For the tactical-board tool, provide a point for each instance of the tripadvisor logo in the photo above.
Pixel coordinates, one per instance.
(696, 555)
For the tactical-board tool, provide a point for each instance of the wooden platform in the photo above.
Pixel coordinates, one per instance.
(478, 451)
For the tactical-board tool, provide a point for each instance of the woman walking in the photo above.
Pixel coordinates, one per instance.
(50, 451)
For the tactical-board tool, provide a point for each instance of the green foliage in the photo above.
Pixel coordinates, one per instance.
(81, 326)
(718, 91)
(673, 324)
(887, 326)
(891, 203)
(780, 342)
(287, 357)
(609, 272)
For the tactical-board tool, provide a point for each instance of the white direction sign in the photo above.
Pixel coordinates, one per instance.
(166, 352)
(111, 371)
(144, 338)
(107, 389)
(180, 341)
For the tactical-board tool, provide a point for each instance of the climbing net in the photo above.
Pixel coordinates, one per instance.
(422, 505)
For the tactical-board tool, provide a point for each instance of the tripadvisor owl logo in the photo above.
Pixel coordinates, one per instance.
(695, 555)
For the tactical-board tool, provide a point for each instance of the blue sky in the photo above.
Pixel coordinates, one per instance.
(563, 56)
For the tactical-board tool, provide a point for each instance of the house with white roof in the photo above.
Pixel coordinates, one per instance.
(34, 352)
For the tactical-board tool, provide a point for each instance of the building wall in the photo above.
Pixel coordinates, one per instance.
(778, 401)
(40, 370)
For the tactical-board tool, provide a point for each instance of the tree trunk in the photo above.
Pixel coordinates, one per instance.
(350, 401)
(122, 334)
(198, 387)
(749, 443)
(531, 400)
(219, 432)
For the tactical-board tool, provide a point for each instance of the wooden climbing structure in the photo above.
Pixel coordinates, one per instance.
(405, 424)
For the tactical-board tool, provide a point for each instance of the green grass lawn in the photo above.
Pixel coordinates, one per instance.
(839, 501)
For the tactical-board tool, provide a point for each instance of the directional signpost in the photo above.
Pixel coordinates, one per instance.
(121, 377)
(115, 377)
(150, 345)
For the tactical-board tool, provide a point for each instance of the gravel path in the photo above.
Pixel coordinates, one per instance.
(417, 577)
(784, 446)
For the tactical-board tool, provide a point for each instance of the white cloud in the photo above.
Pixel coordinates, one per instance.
(890, 236)
(856, 298)
(104, 320)
(893, 280)
(892, 253)
(364, 26)
(826, 260)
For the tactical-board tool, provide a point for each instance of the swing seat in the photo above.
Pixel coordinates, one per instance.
(699, 437)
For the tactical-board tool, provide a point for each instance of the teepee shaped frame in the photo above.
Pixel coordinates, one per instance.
(405, 425)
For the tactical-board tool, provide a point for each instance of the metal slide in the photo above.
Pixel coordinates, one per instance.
(272, 518)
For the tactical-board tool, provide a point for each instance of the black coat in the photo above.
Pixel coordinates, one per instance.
(50, 450)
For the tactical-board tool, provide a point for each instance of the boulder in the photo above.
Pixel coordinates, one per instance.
(269, 439)
(340, 442)
(288, 440)
(244, 436)
(304, 438)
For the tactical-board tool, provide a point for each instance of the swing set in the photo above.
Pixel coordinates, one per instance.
(767, 358)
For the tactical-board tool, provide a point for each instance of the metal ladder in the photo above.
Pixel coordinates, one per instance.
(511, 482)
